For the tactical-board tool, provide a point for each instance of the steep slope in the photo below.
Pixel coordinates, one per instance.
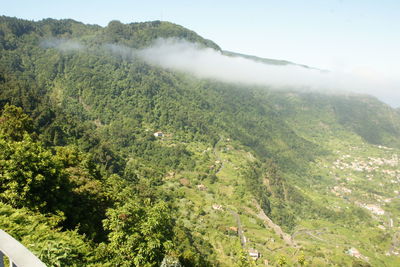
(243, 167)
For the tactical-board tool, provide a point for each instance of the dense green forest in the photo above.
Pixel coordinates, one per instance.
(85, 182)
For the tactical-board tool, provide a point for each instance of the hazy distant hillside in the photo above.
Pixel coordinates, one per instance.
(125, 163)
(374, 121)
(262, 60)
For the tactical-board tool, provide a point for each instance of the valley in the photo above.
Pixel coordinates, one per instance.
(111, 160)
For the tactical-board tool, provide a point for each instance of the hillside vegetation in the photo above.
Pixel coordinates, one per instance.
(302, 178)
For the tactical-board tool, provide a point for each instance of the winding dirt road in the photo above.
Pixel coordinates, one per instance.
(277, 229)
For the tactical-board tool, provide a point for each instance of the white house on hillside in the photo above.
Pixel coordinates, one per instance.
(158, 134)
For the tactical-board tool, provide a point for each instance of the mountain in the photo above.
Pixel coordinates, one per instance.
(108, 160)
(262, 60)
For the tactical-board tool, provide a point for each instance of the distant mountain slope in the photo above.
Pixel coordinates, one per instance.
(262, 60)
(366, 116)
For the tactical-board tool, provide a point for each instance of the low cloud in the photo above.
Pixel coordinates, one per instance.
(64, 45)
(202, 62)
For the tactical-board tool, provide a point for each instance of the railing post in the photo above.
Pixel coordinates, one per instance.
(1, 259)
(17, 254)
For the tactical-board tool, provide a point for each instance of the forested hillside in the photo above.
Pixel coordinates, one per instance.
(85, 181)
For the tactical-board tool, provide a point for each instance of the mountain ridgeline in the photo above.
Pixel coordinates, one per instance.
(233, 168)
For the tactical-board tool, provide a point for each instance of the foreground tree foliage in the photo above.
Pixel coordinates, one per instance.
(127, 218)
(43, 236)
(140, 233)
(138, 228)
(30, 177)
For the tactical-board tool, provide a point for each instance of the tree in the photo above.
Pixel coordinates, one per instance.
(244, 260)
(29, 177)
(140, 233)
(301, 259)
(282, 260)
(88, 196)
(14, 123)
(140, 227)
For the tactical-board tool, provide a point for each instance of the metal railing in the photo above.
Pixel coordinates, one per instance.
(18, 254)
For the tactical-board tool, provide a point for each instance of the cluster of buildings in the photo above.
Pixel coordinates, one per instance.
(371, 165)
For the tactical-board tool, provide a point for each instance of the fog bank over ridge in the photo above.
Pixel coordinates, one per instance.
(181, 55)
(203, 62)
